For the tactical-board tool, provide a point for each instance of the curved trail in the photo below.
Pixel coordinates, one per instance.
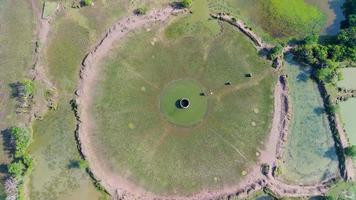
(120, 188)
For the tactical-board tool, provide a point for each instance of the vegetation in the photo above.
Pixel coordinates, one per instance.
(28, 87)
(351, 151)
(342, 191)
(87, 2)
(22, 137)
(141, 11)
(186, 3)
(22, 162)
(275, 52)
(174, 157)
(291, 18)
(74, 31)
(324, 55)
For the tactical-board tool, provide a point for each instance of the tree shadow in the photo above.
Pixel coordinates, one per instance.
(302, 77)
(14, 89)
(8, 141)
(319, 111)
(73, 164)
(331, 154)
(177, 5)
(3, 169)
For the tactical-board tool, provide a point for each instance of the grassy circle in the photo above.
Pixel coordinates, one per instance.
(141, 135)
(180, 89)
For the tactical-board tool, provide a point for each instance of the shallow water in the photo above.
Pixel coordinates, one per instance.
(332, 9)
(348, 115)
(310, 155)
(349, 78)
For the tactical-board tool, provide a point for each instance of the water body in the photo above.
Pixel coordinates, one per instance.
(349, 80)
(348, 115)
(310, 155)
(333, 11)
(348, 108)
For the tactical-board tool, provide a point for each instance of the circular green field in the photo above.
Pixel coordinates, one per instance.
(144, 135)
(184, 89)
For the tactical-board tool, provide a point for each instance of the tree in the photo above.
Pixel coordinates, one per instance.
(16, 169)
(350, 151)
(186, 3)
(87, 2)
(275, 52)
(311, 39)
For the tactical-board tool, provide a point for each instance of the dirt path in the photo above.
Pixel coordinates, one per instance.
(39, 68)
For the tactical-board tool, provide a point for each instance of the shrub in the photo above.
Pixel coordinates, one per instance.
(275, 52)
(141, 11)
(87, 2)
(16, 169)
(83, 164)
(186, 3)
(350, 151)
(28, 87)
(22, 138)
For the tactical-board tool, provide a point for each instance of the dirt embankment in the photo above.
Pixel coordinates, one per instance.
(243, 28)
(39, 66)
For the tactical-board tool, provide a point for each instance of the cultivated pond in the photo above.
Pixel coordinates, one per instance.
(309, 155)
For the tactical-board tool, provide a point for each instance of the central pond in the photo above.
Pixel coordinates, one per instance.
(309, 156)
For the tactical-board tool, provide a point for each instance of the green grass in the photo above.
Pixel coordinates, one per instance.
(49, 9)
(275, 19)
(134, 139)
(54, 149)
(343, 190)
(292, 18)
(178, 90)
(16, 48)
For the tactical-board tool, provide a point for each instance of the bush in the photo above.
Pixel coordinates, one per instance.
(186, 3)
(141, 11)
(275, 52)
(16, 169)
(83, 164)
(28, 87)
(350, 151)
(87, 2)
(22, 138)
